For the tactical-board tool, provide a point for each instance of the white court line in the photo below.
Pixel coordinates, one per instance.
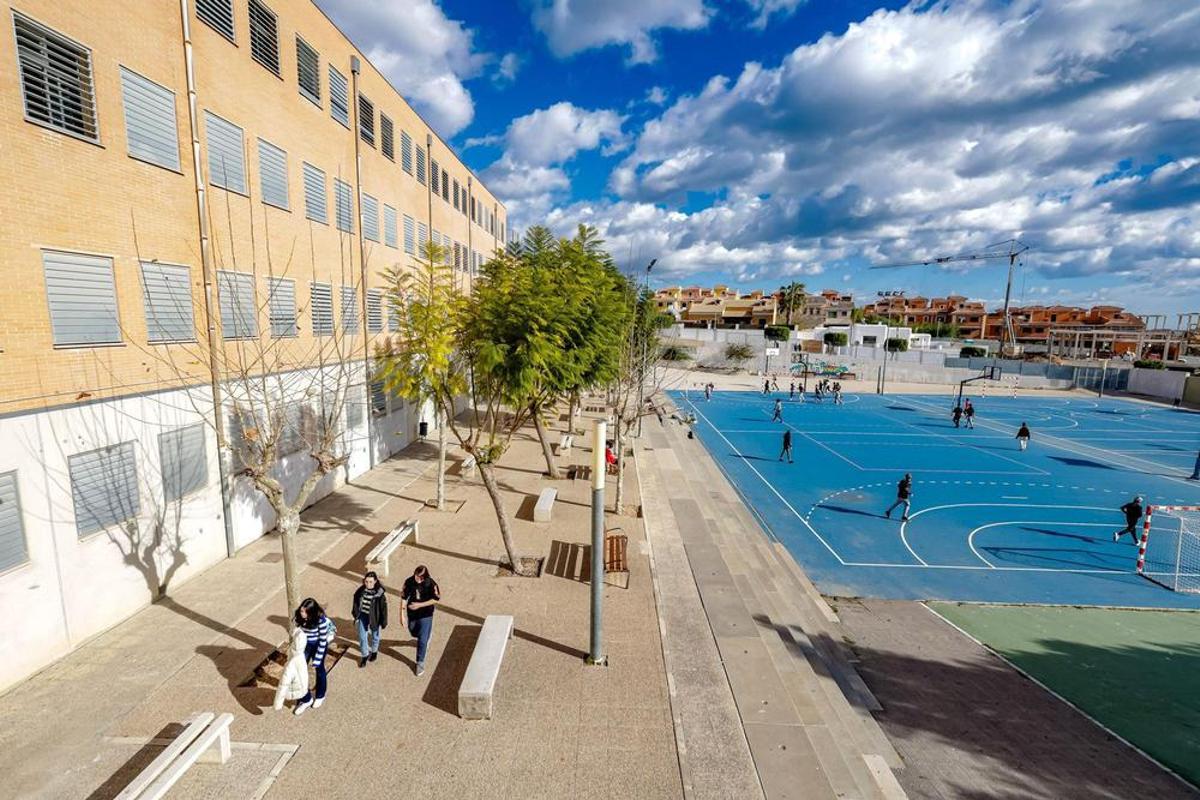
(971, 535)
(782, 499)
(981, 568)
(904, 525)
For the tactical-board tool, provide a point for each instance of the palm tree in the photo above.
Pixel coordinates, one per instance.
(791, 299)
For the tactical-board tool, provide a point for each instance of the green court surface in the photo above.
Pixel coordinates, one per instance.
(1136, 672)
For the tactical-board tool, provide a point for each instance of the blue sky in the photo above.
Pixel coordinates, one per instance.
(755, 142)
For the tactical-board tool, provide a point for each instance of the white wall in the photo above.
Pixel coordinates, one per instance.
(1163, 383)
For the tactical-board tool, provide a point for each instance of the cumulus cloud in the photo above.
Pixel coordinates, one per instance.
(424, 54)
(573, 26)
(507, 69)
(939, 128)
(765, 9)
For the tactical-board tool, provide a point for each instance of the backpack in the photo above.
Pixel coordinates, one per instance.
(331, 636)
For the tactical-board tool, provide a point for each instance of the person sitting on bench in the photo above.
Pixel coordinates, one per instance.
(610, 457)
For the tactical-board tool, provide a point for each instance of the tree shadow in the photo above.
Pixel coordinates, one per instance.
(236, 665)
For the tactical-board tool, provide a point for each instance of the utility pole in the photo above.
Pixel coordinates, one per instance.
(642, 360)
(596, 655)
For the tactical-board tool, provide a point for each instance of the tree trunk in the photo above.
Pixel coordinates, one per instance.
(489, 483)
(289, 525)
(441, 470)
(619, 500)
(551, 467)
(572, 410)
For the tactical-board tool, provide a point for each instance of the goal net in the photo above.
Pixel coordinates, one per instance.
(1169, 553)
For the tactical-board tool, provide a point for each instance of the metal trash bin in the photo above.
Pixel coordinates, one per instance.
(423, 429)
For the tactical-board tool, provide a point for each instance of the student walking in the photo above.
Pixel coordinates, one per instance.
(969, 413)
(707, 392)
(766, 386)
(293, 684)
(1023, 436)
(774, 383)
(318, 633)
(1133, 512)
(787, 446)
(956, 414)
(778, 415)
(420, 594)
(903, 497)
(792, 394)
(837, 393)
(369, 610)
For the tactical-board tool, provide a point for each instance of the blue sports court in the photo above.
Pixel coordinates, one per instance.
(988, 522)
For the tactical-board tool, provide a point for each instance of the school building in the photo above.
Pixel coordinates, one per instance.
(181, 180)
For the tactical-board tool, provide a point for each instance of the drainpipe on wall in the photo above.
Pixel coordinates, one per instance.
(355, 67)
(214, 362)
(470, 245)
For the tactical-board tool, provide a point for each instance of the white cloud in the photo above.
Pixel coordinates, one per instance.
(424, 54)
(507, 69)
(572, 26)
(765, 9)
(657, 96)
(935, 129)
(555, 134)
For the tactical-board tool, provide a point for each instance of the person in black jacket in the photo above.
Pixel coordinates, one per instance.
(369, 611)
(903, 497)
(1133, 512)
(1023, 436)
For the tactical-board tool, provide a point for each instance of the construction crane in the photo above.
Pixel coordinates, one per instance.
(1009, 248)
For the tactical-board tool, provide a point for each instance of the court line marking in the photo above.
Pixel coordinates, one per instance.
(782, 499)
(971, 535)
(911, 517)
(1106, 454)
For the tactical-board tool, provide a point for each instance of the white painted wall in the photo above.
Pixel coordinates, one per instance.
(1163, 383)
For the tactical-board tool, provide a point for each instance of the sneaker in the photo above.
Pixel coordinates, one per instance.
(320, 701)
(362, 662)
(420, 669)
(1116, 536)
(301, 708)
(373, 656)
(904, 519)
(887, 514)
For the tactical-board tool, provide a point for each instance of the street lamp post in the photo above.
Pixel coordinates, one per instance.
(642, 361)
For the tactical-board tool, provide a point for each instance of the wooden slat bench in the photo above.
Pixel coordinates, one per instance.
(616, 561)
(380, 556)
(475, 694)
(545, 505)
(206, 738)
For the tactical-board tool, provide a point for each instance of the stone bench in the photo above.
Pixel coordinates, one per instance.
(545, 505)
(479, 683)
(206, 738)
(379, 557)
(467, 467)
(565, 443)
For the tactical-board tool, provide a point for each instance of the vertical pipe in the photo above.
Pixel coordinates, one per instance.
(355, 68)
(470, 247)
(596, 652)
(214, 363)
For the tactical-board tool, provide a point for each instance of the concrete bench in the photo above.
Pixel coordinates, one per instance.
(467, 467)
(565, 443)
(379, 557)
(479, 683)
(545, 505)
(206, 738)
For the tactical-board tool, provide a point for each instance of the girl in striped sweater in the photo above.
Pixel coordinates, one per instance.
(310, 618)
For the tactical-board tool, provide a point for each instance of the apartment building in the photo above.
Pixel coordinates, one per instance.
(965, 315)
(724, 307)
(827, 308)
(179, 180)
(1033, 324)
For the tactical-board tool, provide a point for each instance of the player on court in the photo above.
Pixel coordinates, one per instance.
(903, 497)
(956, 414)
(1133, 512)
(1023, 436)
(787, 446)
(969, 413)
(778, 415)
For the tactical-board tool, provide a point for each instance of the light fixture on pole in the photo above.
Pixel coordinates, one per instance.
(642, 360)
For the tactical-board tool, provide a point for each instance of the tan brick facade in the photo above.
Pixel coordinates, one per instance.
(59, 192)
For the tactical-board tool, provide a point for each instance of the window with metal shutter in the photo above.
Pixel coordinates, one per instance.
(354, 407)
(393, 315)
(150, 131)
(378, 398)
(434, 173)
(314, 195)
(281, 307)
(183, 461)
(455, 195)
(339, 97)
(410, 235)
(406, 152)
(321, 309)
(387, 137)
(13, 549)
(167, 298)
(366, 120)
(390, 234)
(422, 237)
(264, 36)
(82, 299)
(226, 159)
(56, 80)
(308, 71)
(445, 186)
(272, 175)
(420, 166)
(238, 317)
(104, 487)
(349, 310)
(370, 218)
(343, 205)
(218, 14)
(375, 310)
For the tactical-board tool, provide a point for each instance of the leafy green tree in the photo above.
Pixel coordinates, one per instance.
(738, 353)
(791, 299)
(896, 345)
(418, 361)
(836, 339)
(777, 333)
